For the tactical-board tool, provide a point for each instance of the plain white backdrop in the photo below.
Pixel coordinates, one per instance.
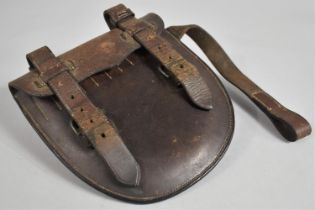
(272, 41)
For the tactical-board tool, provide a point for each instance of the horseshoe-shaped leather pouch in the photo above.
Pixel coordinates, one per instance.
(134, 112)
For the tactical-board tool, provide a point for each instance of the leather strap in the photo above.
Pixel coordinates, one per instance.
(291, 125)
(92, 121)
(184, 72)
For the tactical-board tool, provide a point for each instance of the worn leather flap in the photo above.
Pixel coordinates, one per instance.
(100, 54)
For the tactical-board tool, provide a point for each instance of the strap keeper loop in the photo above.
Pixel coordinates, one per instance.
(116, 14)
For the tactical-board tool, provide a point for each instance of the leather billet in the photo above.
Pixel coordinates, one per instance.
(134, 112)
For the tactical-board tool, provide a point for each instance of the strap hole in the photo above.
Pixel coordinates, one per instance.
(91, 121)
(81, 109)
(103, 135)
(72, 96)
(170, 57)
(181, 66)
(159, 47)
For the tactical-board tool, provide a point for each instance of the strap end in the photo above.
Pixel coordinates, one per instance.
(291, 125)
(112, 149)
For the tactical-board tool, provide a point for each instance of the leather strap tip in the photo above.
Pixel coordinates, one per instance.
(292, 126)
(114, 152)
(204, 104)
(132, 178)
(39, 56)
(199, 95)
(124, 167)
(116, 14)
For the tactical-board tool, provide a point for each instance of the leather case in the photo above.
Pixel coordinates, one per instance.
(135, 113)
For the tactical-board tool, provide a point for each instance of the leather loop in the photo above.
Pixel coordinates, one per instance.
(291, 125)
(116, 14)
(43, 60)
(92, 121)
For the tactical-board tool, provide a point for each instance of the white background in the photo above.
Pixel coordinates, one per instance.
(272, 41)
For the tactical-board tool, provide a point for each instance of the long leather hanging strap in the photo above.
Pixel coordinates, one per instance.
(291, 125)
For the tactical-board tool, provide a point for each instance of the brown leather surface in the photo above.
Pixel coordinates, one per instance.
(174, 142)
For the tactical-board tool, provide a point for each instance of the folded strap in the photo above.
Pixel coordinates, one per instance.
(92, 121)
(291, 125)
